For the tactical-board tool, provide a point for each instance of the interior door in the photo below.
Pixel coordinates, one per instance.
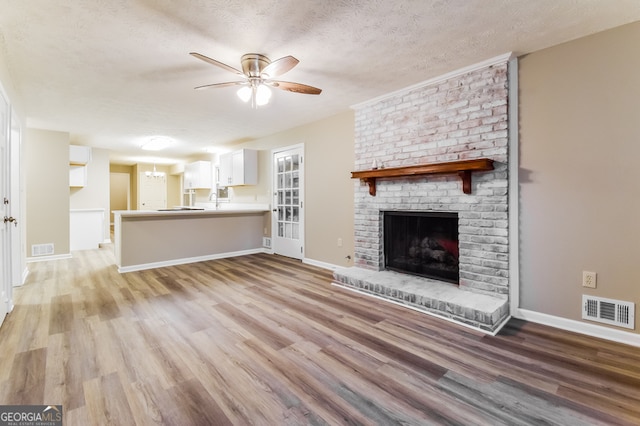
(153, 191)
(16, 196)
(288, 206)
(5, 258)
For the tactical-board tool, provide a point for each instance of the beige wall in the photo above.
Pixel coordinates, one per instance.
(329, 160)
(46, 162)
(118, 168)
(119, 190)
(579, 152)
(95, 194)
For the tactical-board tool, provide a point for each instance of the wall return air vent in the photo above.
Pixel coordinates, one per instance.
(42, 249)
(608, 311)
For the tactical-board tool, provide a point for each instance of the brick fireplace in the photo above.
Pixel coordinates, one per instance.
(463, 116)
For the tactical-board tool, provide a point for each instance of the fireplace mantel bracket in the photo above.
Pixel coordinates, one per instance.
(463, 168)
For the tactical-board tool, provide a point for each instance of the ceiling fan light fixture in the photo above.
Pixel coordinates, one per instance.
(258, 72)
(263, 95)
(244, 93)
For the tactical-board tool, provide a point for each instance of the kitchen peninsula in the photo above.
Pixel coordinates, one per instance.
(146, 239)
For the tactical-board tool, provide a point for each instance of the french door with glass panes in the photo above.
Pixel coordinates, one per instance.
(287, 235)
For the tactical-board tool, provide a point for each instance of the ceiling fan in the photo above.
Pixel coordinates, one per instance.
(257, 75)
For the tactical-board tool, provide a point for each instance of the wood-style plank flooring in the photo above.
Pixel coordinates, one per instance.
(266, 340)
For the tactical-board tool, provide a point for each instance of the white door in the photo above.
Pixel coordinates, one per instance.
(15, 197)
(153, 191)
(287, 235)
(5, 253)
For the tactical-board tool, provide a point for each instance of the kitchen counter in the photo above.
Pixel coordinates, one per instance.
(147, 239)
(176, 211)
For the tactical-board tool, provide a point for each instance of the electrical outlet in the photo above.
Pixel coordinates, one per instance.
(339, 242)
(588, 279)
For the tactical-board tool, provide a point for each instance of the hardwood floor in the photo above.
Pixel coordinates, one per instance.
(266, 340)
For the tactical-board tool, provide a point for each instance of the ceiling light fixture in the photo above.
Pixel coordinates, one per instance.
(157, 143)
(155, 173)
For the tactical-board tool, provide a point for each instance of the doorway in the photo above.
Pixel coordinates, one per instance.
(119, 192)
(287, 218)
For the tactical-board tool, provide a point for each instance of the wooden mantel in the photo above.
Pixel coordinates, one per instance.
(463, 168)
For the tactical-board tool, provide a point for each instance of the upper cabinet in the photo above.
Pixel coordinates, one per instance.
(79, 155)
(77, 176)
(239, 168)
(198, 175)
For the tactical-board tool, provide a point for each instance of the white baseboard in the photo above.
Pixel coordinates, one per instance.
(47, 258)
(25, 274)
(589, 329)
(320, 264)
(184, 261)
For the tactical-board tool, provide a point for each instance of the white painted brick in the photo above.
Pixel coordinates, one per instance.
(465, 117)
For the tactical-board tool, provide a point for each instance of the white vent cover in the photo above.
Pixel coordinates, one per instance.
(42, 249)
(266, 242)
(608, 311)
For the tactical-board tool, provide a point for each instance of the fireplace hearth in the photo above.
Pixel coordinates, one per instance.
(422, 243)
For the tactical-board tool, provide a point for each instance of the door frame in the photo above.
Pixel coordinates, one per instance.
(6, 261)
(274, 193)
(16, 208)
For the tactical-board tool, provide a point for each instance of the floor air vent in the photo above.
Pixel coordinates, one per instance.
(42, 249)
(608, 311)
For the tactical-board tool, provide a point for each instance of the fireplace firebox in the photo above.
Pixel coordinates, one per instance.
(422, 243)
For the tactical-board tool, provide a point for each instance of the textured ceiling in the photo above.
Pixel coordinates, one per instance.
(112, 72)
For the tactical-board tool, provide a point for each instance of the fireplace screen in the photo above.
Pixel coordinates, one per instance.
(422, 243)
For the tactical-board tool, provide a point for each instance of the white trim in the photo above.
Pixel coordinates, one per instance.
(286, 148)
(47, 258)
(424, 311)
(589, 329)
(320, 264)
(25, 274)
(487, 63)
(186, 260)
(514, 187)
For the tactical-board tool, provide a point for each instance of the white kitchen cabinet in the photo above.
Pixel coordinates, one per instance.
(239, 168)
(77, 176)
(198, 175)
(79, 155)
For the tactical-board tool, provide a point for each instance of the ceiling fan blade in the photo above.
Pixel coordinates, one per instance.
(279, 67)
(296, 87)
(216, 63)
(216, 85)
